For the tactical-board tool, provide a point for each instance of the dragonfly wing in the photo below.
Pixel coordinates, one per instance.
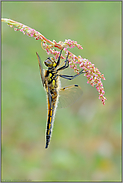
(68, 95)
(41, 68)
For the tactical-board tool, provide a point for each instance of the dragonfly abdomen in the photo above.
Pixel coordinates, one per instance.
(50, 118)
(49, 126)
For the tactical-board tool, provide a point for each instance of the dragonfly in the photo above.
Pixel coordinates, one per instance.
(50, 78)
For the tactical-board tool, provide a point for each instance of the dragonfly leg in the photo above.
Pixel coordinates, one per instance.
(66, 64)
(71, 77)
(58, 62)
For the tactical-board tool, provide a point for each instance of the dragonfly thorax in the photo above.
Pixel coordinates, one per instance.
(50, 62)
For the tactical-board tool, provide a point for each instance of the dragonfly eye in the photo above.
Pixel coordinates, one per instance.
(50, 62)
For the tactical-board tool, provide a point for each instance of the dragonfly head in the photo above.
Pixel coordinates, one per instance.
(50, 62)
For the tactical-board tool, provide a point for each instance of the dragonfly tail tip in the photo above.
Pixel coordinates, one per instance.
(46, 146)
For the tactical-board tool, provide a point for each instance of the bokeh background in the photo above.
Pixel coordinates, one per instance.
(86, 139)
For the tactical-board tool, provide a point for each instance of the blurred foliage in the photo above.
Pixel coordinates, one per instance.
(86, 139)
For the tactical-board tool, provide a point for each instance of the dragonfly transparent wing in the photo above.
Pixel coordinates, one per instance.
(41, 68)
(68, 95)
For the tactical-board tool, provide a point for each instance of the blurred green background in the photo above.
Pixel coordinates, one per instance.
(86, 139)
